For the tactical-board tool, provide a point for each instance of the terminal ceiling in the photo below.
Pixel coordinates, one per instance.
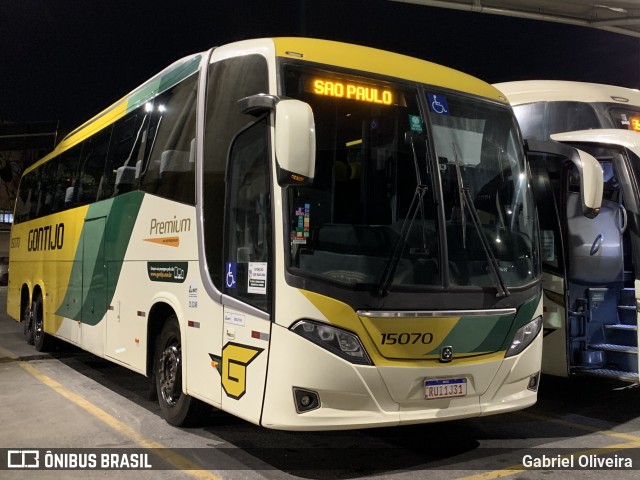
(618, 16)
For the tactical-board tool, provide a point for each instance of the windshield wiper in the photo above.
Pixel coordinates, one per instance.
(466, 200)
(394, 259)
(463, 219)
(417, 203)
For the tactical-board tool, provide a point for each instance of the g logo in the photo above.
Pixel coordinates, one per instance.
(232, 367)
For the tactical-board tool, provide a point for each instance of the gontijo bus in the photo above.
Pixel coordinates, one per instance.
(306, 234)
(590, 266)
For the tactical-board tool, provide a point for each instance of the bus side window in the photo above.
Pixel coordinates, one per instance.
(45, 186)
(24, 198)
(66, 180)
(170, 168)
(120, 171)
(546, 184)
(92, 166)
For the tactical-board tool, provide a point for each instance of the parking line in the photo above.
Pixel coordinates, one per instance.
(6, 355)
(168, 455)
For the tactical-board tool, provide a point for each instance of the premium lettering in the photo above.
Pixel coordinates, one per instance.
(176, 225)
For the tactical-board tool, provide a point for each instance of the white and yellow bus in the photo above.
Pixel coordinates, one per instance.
(303, 233)
(590, 266)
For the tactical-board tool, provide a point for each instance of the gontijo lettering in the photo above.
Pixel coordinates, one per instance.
(50, 237)
(352, 91)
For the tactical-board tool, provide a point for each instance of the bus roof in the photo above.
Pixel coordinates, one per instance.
(530, 91)
(383, 62)
(313, 50)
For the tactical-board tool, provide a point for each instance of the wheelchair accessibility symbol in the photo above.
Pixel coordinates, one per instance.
(438, 104)
(231, 275)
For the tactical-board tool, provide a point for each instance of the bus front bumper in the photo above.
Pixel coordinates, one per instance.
(354, 396)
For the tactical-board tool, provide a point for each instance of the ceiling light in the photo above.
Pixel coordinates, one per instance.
(613, 9)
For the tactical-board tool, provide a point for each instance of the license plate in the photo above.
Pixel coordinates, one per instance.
(445, 388)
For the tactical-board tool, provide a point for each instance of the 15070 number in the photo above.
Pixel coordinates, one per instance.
(406, 338)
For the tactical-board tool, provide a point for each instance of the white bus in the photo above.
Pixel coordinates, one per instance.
(590, 266)
(303, 233)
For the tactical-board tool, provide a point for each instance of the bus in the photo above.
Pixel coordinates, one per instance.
(590, 267)
(303, 233)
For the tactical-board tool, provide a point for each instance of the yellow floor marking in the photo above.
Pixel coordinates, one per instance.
(4, 353)
(168, 455)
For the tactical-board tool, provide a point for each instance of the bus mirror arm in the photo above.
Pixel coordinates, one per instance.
(295, 136)
(589, 169)
(257, 104)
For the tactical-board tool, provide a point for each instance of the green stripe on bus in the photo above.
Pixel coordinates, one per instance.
(488, 334)
(99, 256)
(158, 85)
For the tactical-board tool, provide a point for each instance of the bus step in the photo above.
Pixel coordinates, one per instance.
(622, 326)
(616, 374)
(628, 296)
(627, 307)
(609, 347)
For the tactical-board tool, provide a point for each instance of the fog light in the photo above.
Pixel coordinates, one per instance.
(305, 400)
(534, 382)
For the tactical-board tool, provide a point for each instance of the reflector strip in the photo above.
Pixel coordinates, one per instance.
(260, 335)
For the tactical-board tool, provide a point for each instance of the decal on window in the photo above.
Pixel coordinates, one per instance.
(438, 104)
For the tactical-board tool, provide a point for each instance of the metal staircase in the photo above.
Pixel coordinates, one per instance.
(613, 333)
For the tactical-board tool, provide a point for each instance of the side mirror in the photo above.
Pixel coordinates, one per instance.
(591, 183)
(589, 169)
(295, 139)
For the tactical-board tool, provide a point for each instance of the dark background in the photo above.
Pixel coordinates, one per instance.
(68, 59)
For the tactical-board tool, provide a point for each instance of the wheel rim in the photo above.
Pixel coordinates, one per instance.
(27, 318)
(169, 373)
(37, 324)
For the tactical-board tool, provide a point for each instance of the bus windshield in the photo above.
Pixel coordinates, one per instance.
(387, 205)
(627, 118)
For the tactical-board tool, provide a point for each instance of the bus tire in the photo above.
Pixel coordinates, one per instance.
(27, 320)
(41, 340)
(178, 408)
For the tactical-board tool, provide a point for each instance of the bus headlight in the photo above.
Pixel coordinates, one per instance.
(345, 344)
(524, 336)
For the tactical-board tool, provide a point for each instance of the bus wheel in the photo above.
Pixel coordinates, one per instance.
(40, 339)
(178, 408)
(27, 320)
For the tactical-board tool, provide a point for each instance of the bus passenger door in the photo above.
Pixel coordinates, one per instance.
(249, 270)
(546, 180)
(567, 186)
(94, 287)
(604, 268)
(243, 365)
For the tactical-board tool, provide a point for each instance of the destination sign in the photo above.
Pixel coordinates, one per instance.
(353, 91)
